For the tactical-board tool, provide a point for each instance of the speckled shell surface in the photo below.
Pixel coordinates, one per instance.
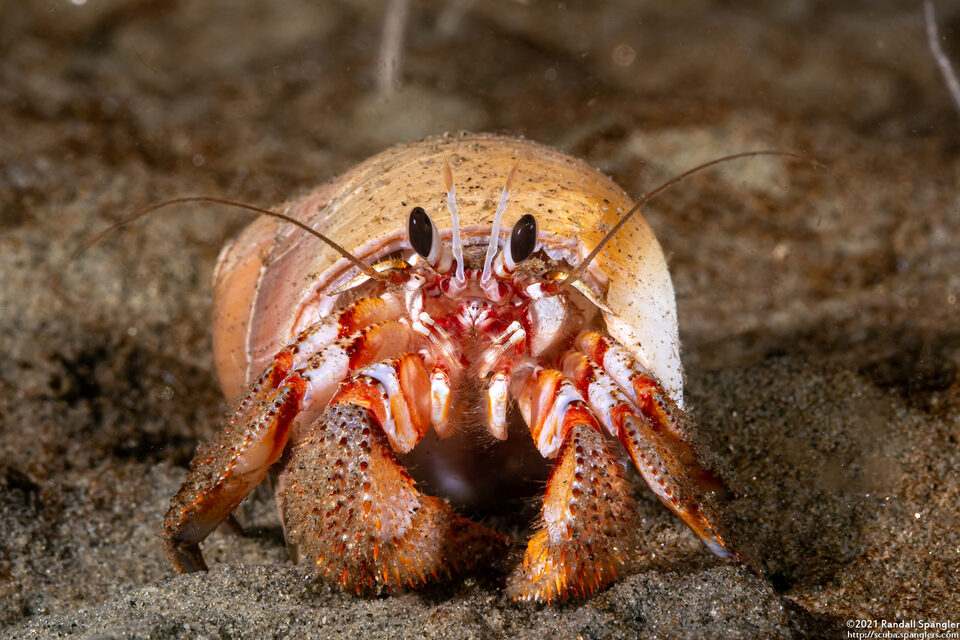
(272, 278)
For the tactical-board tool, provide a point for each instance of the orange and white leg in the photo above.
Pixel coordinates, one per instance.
(360, 314)
(636, 410)
(352, 509)
(223, 473)
(589, 517)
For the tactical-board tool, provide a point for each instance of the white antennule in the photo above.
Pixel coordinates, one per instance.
(493, 243)
(455, 217)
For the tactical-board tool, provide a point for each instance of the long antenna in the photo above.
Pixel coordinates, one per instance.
(365, 268)
(645, 198)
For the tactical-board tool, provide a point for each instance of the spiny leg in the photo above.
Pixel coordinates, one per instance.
(223, 473)
(653, 430)
(351, 508)
(589, 518)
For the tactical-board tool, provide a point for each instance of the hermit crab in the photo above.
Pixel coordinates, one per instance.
(469, 284)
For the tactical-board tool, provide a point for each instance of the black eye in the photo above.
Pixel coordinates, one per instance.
(523, 238)
(420, 231)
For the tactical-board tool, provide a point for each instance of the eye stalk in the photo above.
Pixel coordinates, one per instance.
(425, 239)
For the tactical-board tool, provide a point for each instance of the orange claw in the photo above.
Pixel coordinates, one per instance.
(589, 517)
(343, 489)
(589, 521)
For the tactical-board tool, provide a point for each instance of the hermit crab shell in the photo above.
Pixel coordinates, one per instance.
(274, 279)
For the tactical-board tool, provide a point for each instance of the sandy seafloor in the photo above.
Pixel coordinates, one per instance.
(818, 311)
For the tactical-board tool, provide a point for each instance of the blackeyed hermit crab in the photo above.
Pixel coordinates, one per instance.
(462, 296)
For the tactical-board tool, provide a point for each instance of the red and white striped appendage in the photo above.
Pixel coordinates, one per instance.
(636, 410)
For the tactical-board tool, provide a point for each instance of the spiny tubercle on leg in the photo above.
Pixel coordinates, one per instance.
(352, 509)
(590, 523)
(224, 473)
(651, 428)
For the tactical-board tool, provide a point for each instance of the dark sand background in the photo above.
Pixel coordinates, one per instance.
(818, 313)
